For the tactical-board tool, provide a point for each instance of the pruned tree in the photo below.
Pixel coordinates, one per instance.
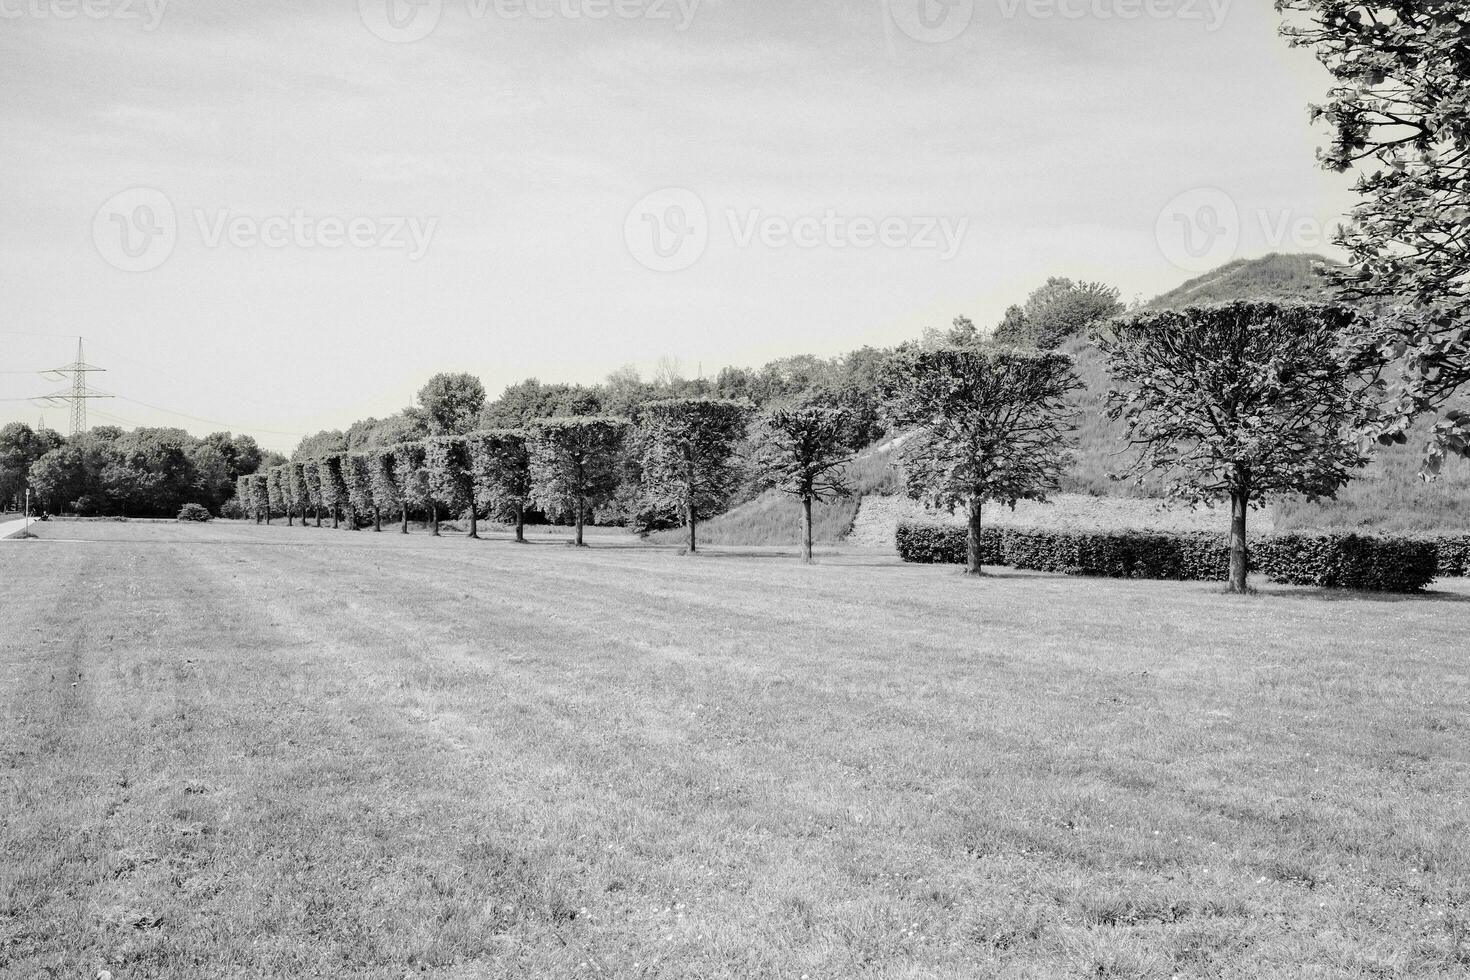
(575, 463)
(245, 495)
(1400, 117)
(686, 454)
(386, 489)
(501, 468)
(275, 482)
(447, 459)
(311, 475)
(334, 486)
(804, 451)
(990, 425)
(297, 492)
(260, 497)
(413, 481)
(1242, 401)
(357, 472)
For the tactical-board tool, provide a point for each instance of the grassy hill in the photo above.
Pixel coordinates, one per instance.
(1274, 276)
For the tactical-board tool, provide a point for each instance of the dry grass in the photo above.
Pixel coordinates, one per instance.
(231, 751)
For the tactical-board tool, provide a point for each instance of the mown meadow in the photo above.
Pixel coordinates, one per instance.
(284, 751)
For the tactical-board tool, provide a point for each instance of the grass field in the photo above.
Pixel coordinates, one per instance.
(236, 751)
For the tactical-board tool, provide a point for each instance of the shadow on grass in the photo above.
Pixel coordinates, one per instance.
(1307, 594)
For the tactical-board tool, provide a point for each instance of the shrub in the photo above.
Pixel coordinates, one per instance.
(945, 544)
(231, 510)
(1349, 561)
(1452, 552)
(195, 512)
(1342, 561)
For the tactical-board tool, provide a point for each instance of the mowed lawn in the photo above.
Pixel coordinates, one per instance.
(240, 751)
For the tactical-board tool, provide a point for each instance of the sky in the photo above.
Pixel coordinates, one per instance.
(278, 217)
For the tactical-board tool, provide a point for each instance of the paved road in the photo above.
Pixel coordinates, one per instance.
(7, 528)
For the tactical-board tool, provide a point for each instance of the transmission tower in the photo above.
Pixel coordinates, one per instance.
(80, 392)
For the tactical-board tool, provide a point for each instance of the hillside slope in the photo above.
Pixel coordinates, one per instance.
(1274, 276)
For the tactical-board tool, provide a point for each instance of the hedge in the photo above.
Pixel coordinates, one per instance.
(1452, 554)
(1345, 561)
(1349, 561)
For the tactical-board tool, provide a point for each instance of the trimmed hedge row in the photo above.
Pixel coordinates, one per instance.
(1118, 554)
(1453, 554)
(1344, 561)
(1349, 561)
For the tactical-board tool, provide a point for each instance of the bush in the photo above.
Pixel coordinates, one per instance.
(1349, 561)
(231, 510)
(1452, 553)
(1340, 561)
(195, 512)
(945, 544)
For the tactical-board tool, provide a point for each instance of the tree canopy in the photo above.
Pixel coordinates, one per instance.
(989, 426)
(1241, 401)
(1400, 116)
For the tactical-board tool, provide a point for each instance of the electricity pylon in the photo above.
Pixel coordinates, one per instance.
(80, 393)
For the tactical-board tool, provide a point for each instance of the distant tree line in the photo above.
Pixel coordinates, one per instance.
(142, 473)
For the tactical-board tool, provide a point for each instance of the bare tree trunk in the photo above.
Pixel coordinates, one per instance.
(581, 518)
(267, 514)
(973, 557)
(693, 523)
(474, 519)
(318, 512)
(405, 518)
(434, 518)
(806, 529)
(1239, 552)
(377, 518)
(290, 516)
(520, 522)
(336, 517)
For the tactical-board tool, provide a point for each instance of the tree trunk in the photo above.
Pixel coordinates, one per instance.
(377, 518)
(581, 518)
(267, 514)
(290, 517)
(973, 558)
(336, 517)
(318, 512)
(434, 518)
(520, 522)
(1239, 553)
(474, 520)
(693, 523)
(405, 518)
(806, 529)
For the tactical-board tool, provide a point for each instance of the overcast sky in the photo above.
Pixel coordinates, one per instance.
(281, 217)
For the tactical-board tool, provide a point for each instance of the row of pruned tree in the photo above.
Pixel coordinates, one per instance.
(686, 454)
